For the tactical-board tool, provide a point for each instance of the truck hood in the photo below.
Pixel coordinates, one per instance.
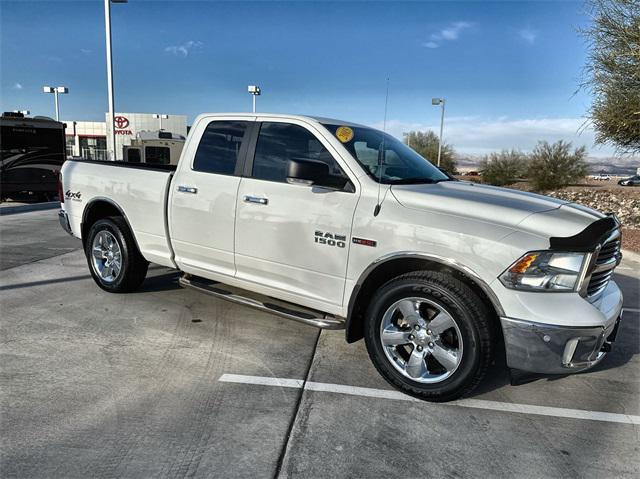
(536, 214)
(495, 205)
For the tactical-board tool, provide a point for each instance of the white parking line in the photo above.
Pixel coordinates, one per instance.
(631, 310)
(469, 403)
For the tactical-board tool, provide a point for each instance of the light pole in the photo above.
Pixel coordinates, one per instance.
(439, 101)
(255, 91)
(160, 117)
(56, 91)
(107, 30)
(408, 135)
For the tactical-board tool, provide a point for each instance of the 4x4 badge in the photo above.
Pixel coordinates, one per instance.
(73, 195)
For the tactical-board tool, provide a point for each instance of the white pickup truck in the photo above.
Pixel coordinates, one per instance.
(342, 226)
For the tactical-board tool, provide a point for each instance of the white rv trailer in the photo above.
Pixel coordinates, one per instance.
(154, 147)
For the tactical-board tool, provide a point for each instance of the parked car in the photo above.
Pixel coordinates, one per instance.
(342, 226)
(631, 181)
(600, 177)
(33, 150)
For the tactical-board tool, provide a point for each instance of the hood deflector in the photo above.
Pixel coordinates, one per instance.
(588, 238)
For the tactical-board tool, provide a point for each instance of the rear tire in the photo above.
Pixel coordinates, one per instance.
(115, 263)
(433, 359)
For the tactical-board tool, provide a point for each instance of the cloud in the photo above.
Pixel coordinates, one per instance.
(86, 51)
(453, 31)
(528, 35)
(449, 33)
(185, 49)
(478, 136)
(17, 86)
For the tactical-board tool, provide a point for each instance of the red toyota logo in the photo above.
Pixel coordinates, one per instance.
(121, 122)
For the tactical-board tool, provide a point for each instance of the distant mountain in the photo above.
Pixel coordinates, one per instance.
(468, 162)
(614, 165)
(611, 165)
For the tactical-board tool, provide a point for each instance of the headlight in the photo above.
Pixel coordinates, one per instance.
(545, 271)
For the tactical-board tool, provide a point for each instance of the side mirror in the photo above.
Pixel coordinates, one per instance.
(307, 172)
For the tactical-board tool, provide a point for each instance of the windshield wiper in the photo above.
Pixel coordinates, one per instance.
(445, 179)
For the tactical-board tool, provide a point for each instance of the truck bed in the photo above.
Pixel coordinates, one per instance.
(138, 190)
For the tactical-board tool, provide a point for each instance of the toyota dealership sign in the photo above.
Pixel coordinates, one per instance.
(121, 124)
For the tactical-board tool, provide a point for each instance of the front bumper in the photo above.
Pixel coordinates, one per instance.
(64, 221)
(551, 349)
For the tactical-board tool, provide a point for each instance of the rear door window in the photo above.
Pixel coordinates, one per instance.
(219, 148)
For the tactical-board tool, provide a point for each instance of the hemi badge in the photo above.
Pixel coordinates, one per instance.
(364, 242)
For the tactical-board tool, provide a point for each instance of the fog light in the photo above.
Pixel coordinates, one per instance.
(569, 351)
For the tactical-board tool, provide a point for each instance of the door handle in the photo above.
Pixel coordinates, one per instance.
(188, 189)
(256, 199)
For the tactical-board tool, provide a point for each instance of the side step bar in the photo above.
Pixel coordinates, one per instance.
(264, 303)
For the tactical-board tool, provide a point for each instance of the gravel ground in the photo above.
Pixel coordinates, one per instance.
(631, 239)
(607, 197)
(624, 204)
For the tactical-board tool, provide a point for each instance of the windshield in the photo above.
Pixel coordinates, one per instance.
(385, 158)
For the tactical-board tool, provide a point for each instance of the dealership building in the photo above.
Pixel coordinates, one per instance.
(89, 139)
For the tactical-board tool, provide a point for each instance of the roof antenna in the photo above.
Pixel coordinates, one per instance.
(381, 153)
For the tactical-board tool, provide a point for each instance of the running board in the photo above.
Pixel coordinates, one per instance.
(263, 303)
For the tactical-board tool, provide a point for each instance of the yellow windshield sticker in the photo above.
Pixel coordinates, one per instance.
(344, 134)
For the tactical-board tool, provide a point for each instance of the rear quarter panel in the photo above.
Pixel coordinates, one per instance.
(139, 193)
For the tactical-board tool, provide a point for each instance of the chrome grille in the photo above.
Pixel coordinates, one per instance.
(598, 282)
(604, 265)
(609, 251)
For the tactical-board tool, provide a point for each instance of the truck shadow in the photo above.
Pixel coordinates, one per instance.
(163, 279)
(497, 376)
(43, 282)
(627, 343)
(166, 280)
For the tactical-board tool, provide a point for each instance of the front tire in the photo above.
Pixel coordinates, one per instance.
(115, 263)
(429, 335)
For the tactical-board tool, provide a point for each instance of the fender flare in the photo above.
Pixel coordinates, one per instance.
(102, 199)
(448, 262)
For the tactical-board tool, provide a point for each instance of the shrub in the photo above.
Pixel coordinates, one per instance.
(613, 72)
(426, 144)
(503, 168)
(554, 165)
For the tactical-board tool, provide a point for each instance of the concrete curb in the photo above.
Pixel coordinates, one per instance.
(631, 255)
(12, 210)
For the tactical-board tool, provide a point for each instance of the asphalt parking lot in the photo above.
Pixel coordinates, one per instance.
(168, 382)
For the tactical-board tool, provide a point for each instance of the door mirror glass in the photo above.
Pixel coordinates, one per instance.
(316, 173)
(307, 172)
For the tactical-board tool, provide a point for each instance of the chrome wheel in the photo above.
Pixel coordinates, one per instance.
(106, 256)
(421, 339)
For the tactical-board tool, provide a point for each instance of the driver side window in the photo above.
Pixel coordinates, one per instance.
(280, 142)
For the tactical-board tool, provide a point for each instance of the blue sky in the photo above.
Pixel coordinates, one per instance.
(509, 70)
